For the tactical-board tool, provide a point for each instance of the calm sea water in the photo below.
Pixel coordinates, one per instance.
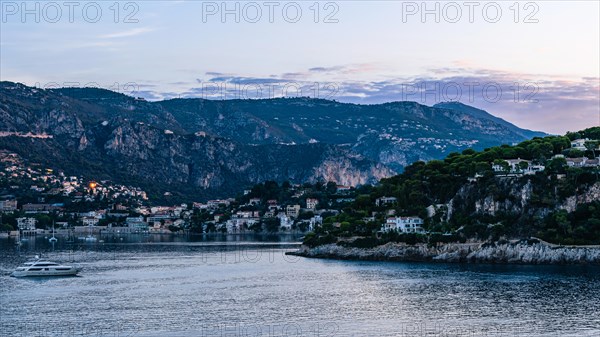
(246, 286)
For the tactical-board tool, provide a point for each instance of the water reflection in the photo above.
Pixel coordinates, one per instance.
(65, 242)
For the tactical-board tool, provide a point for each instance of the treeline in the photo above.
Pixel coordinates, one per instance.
(287, 194)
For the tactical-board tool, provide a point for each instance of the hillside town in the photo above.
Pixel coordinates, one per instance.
(36, 200)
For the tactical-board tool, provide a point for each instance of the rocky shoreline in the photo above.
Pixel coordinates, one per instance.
(516, 252)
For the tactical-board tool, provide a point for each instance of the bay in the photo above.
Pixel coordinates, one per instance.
(245, 285)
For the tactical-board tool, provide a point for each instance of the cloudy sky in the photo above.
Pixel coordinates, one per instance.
(535, 64)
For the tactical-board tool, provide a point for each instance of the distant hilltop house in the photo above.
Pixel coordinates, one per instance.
(41, 208)
(213, 204)
(409, 224)
(311, 203)
(343, 188)
(475, 178)
(241, 221)
(89, 221)
(315, 221)
(199, 205)
(285, 222)
(26, 224)
(582, 162)
(298, 194)
(292, 211)
(36, 188)
(517, 166)
(8, 205)
(136, 223)
(385, 201)
(579, 144)
(155, 219)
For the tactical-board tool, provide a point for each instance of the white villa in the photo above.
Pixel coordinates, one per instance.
(515, 168)
(26, 224)
(235, 225)
(410, 224)
(314, 222)
(89, 221)
(285, 221)
(582, 162)
(292, 211)
(385, 201)
(136, 223)
(579, 144)
(312, 203)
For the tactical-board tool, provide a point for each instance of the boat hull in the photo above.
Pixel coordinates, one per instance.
(45, 273)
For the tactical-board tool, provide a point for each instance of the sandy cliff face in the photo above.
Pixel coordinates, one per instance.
(209, 162)
(345, 170)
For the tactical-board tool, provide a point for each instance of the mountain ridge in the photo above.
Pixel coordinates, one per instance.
(475, 112)
(211, 148)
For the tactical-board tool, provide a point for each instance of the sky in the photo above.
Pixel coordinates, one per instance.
(533, 63)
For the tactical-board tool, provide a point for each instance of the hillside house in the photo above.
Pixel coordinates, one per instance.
(579, 144)
(315, 221)
(292, 211)
(136, 223)
(40, 208)
(311, 203)
(410, 224)
(8, 205)
(26, 224)
(582, 162)
(285, 222)
(385, 201)
(518, 166)
(343, 188)
(89, 221)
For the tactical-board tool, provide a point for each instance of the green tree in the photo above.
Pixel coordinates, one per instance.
(574, 153)
(6, 227)
(363, 202)
(523, 166)
(503, 164)
(271, 224)
(562, 220)
(331, 187)
(592, 146)
(556, 165)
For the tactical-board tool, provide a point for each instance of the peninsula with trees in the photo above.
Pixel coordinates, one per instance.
(537, 201)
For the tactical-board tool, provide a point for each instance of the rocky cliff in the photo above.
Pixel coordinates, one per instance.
(518, 252)
(513, 195)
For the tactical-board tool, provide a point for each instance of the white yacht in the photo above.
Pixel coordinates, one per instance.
(44, 268)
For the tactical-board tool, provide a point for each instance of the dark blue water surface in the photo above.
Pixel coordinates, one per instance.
(244, 285)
